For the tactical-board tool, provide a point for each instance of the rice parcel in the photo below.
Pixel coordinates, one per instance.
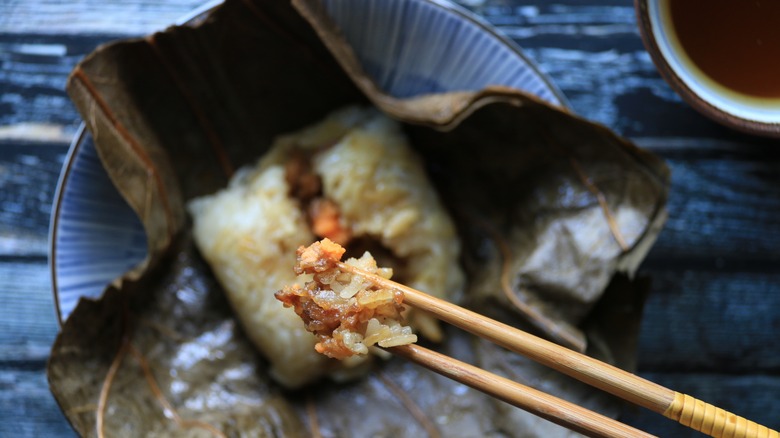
(352, 178)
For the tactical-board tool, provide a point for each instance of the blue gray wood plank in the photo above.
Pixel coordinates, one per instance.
(709, 325)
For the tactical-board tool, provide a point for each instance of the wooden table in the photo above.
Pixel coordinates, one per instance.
(711, 326)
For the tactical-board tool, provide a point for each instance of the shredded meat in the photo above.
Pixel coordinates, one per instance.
(303, 181)
(326, 221)
(347, 313)
(306, 186)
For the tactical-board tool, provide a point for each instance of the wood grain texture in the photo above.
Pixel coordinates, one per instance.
(90, 17)
(711, 320)
(724, 202)
(27, 408)
(28, 323)
(704, 320)
(34, 105)
(28, 179)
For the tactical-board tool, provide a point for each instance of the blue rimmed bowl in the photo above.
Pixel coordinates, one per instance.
(409, 47)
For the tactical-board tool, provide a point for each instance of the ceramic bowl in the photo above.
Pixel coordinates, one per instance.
(95, 236)
(744, 113)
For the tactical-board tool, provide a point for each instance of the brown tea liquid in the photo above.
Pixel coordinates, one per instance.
(734, 42)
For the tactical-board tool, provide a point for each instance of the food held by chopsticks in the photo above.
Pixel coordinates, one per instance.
(347, 313)
(352, 178)
(314, 305)
(350, 308)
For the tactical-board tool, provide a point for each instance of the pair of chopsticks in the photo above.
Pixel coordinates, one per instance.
(683, 408)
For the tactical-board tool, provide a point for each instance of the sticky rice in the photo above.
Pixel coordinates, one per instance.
(347, 312)
(352, 178)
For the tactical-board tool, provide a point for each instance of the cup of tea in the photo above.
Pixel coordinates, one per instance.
(721, 56)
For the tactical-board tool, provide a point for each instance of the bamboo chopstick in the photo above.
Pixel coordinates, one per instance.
(683, 408)
(552, 408)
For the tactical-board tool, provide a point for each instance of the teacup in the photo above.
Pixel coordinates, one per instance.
(721, 56)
